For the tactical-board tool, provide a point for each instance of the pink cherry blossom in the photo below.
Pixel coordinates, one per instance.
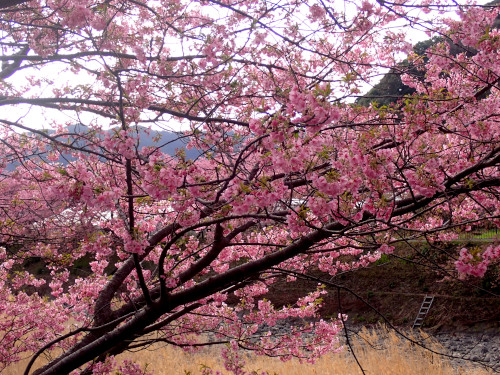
(196, 155)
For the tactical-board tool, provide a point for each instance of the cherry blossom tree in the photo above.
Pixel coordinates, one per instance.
(289, 175)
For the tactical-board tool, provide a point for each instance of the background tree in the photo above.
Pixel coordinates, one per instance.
(289, 176)
(390, 88)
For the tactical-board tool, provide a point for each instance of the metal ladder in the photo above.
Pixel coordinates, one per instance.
(424, 309)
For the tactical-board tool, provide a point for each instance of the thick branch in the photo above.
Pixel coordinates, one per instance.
(112, 104)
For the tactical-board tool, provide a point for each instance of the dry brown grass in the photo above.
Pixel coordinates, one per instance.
(391, 355)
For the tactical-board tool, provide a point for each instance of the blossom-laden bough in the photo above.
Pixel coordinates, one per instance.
(288, 174)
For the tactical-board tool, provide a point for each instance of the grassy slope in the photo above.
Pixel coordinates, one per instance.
(396, 288)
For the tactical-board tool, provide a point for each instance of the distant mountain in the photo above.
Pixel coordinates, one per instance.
(168, 142)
